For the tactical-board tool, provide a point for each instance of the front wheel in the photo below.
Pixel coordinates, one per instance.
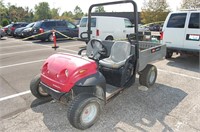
(84, 111)
(36, 89)
(148, 76)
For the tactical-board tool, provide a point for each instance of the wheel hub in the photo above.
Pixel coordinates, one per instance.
(152, 76)
(42, 92)
(89, 113)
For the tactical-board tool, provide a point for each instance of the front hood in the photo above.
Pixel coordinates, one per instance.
(27, 29)
(61, 70)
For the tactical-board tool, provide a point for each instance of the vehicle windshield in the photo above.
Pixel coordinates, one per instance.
(30, 25)
(37, 24)
(84, 22)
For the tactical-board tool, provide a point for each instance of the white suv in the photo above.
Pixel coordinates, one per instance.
(181, 32)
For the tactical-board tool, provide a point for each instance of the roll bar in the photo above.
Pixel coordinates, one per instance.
(135, 13)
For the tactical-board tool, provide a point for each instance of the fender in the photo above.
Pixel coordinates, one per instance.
(93, 84)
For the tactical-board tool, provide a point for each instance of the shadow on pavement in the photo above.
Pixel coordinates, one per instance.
(2, 39)
(47, 42)
(140, 110)
(187, 62)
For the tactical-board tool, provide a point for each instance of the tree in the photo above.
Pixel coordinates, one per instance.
(4, 22)
(78, 13)
(67, 15)
(42, 11)
(3, 10)
(16, 13)
(55, 13)
(154, 10)
(99, 9)
(190, 4)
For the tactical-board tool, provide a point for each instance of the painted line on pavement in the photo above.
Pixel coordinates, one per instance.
(22, 52)
(24, 63)
(15, 95)
(18, 46)
(44, 49)
(179, 74)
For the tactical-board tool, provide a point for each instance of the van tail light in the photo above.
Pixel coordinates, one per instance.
(97, 32)
(12, 28)
(161, 35)
(41, 30)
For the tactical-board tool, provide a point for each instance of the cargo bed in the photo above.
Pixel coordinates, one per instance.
(150, 52)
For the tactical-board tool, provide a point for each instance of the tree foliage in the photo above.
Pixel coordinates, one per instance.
(12, 13)
(67, 15)
(154, 11)
(55, 13)
(42, 11)
(78, 13)
(190, 4)
(4, 22)
(99, 9)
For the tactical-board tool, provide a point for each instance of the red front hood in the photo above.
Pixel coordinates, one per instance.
(62, 71)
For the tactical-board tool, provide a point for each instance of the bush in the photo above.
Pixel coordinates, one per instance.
(4, 22)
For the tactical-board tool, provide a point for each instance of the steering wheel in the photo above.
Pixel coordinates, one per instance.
(95, 49)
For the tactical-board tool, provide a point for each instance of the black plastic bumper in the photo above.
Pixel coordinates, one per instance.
(54, 93)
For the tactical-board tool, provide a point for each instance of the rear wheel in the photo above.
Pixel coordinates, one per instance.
(109, 38)
(84, 111)
(148, 76)
(36, 89)
(169, 54)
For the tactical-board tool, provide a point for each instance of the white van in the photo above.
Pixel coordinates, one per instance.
(181, 32)
(107, 28)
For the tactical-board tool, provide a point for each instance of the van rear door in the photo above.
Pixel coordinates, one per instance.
(83, 27)
(174, 30)
(192, 34)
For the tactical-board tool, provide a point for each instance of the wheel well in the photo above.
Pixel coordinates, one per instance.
(110, 37)
(97, 91)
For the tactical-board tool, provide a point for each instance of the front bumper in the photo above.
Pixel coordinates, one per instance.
(55, 94)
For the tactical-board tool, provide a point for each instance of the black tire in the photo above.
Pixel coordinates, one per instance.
(35, 88)
(43, 40)
(109, 38)
(148, 76)
(77, 107)
(169, 55)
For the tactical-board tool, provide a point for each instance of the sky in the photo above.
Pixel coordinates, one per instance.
(69, 5)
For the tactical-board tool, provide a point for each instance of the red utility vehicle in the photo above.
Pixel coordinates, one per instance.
(89, 80)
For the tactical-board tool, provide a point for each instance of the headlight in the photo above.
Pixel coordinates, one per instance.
(66, 73)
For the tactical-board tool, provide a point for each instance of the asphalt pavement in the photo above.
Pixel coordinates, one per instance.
(172, 104)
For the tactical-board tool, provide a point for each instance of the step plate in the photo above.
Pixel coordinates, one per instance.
(112, 91)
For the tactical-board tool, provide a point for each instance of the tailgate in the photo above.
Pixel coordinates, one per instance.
(150, 52)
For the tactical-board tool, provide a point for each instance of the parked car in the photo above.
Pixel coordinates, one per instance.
(102, 27)
(2, 33)
(14, 26)
(6, 28)
(181, 32)
(27, 32)
(154, 27)
(63, 26)
(18, 31)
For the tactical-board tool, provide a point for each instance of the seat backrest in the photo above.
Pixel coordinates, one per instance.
(108, 45)
(120, 51)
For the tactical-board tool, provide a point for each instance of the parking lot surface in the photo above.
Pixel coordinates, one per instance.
(172, 104)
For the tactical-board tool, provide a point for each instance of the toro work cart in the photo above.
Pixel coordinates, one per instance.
(89, 81)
